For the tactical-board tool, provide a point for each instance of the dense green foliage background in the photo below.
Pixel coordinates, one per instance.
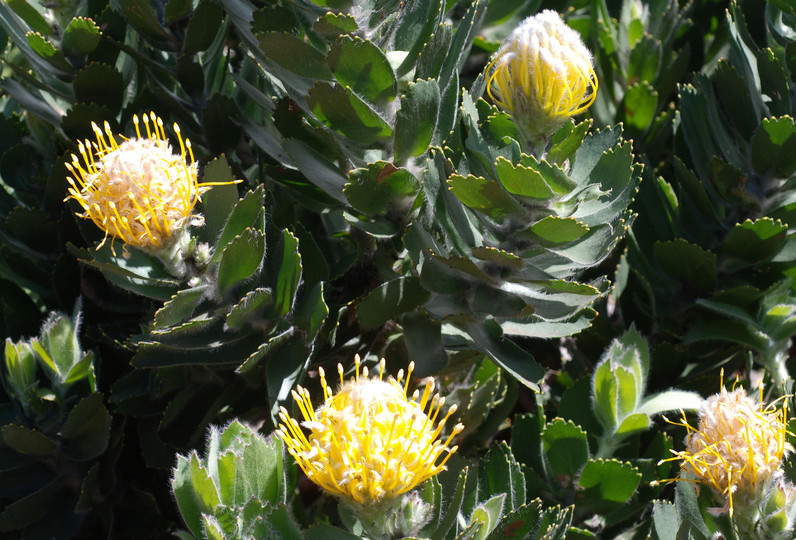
(387, 208)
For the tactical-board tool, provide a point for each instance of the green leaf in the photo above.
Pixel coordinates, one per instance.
(82, 36)
(665, 521)
(87, 429)
(755, 241)
(606, 485)
(390, 299)
(423, 339)
(689, 262)
(362, 66)
(240, 260)
(285, 264)
(244, 215)
(566, 449)
(31, 16)
(554, 230)
(101, 84)
(416, 120)
(30, 508)
(180, 306)
(177, 9)
(249, 308)
(381, 187)
(203, 27)
(504, 352)
(27, 441)
(485, 196)
(604, 402)
(59, 349)
(20, 363)
(319, 170)
(219, 201)
(187, 501)
(414, 28)
(46, 50)
(452, 510)
(311, 311)
(486, 515)
(566, 141)
(522, 181)
(671, 400)
(140, 15)
(294, 55)
(330, 25)
(346, 113)
(502, 474)
(641, 101)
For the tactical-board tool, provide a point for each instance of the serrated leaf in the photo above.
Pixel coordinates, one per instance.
(330, 25)
(243, 215)
(240, 260)
(286, 266)
(219, 201)
(295, 55)
(555, 230)
(180, 306)
(82, 36)
(606, 485)
(485, 196)
(87, 429)
(486, 516)
(42, 46)
(142, 17)
(362, 66)
(31, 16)
(389, 300)
(101, 84)
(381, 187)
(27, 441)
(312, 311)
(249, 308)
(566, 449)
(755, 241)
(203, 27)
(416, 120)
(345, 112)
(414, 28)
(689, 262)
(641, 102)
(566, 141)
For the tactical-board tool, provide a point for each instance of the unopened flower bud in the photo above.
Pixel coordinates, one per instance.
(542, 76)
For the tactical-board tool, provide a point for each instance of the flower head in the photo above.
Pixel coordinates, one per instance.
(369, 442)
(542, 75)
(137, 190)
(736, 448)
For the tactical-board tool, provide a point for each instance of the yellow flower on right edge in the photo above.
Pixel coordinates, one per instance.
(542, 76)
(736, 448)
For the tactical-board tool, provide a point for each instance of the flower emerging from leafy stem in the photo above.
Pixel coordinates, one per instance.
(736, 448)
(137, 190)
(542, 76)
(370, 443)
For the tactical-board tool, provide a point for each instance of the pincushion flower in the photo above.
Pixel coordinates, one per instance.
(542, 76)
(137, 190)
(736, 448)
(369, 442)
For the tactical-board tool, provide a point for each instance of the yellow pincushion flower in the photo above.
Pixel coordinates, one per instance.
(137, 190)
(542, 75)
(736, 448)
(369, 442)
